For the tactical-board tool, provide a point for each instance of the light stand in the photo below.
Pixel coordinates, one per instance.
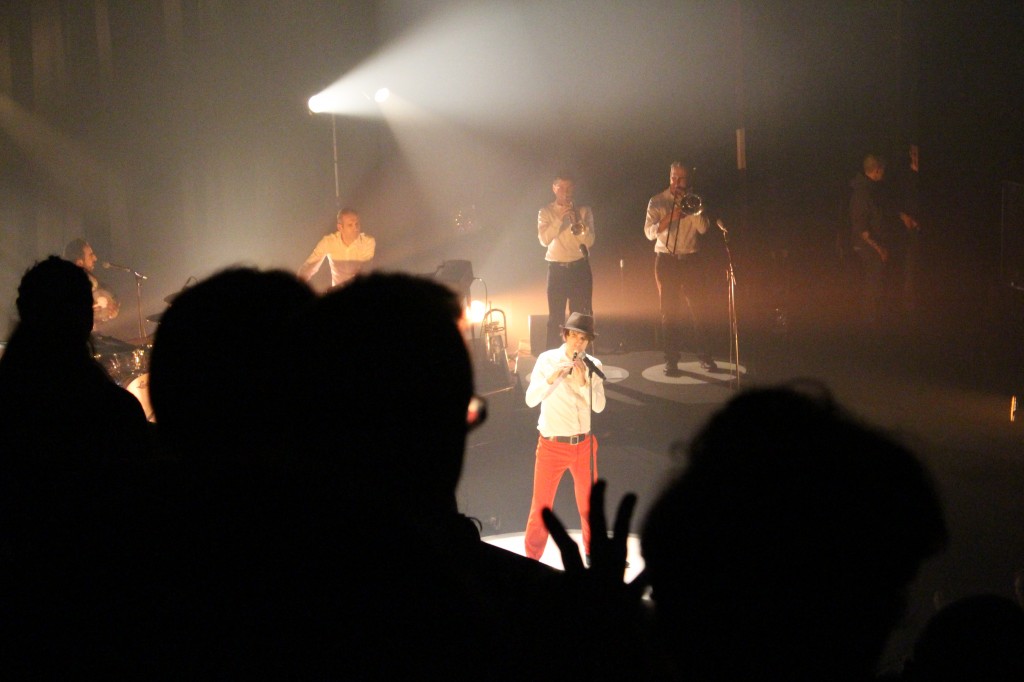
(622, 300)
(334, 146)
(734, 333)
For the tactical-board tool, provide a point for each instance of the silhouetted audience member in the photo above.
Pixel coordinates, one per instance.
(60, 410)
(218, 362)
(975, 638)
(277, 404)
(216, 375)
(68, 440)
(384, 382)
(785, 548)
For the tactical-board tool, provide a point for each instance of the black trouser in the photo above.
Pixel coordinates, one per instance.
(681, 283)
(572, 282)
(872, 286)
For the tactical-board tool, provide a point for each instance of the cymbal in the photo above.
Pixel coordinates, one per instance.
(155, 317)
(106, 345)
(190, 282)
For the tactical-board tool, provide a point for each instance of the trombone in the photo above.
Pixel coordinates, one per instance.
(690, 204)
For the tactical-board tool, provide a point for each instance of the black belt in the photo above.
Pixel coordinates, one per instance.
(571, 440)
(568, 264)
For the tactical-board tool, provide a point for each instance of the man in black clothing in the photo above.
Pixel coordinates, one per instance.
(868, 236)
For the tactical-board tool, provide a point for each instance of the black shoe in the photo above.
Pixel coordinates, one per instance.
(708, 365)
(672, 370)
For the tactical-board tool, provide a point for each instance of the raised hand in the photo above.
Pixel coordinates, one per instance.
(607, 554)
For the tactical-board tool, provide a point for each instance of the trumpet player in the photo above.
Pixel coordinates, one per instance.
(567, 232)
(674, 220)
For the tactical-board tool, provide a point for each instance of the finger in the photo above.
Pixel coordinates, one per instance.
(623, 516)
(566, 547)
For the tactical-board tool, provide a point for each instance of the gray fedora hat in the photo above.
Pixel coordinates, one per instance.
(584, 324)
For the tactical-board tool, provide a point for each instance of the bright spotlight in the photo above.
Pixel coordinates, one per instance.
(317, 104)
(381, 95)
(475, 312)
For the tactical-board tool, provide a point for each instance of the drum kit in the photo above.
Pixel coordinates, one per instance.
(127, 365)
(127, 362)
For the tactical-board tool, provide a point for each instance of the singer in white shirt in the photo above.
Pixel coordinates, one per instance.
(567, 231)
(348, 250)
(567, 384)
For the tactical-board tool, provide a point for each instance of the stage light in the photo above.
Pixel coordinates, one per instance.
(475, 312)
(317, 104)
(381, 95)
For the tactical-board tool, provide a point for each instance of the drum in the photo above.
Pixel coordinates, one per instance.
(125, 365)
(138, 386)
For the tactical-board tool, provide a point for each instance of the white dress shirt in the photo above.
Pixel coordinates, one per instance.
(564, 405)
(679, 238)
(346, 260)
(563, 245)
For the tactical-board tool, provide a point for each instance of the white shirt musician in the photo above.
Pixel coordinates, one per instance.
(566, 390)
(348, 250)
(567, 232)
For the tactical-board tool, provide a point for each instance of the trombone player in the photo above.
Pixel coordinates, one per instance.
(674, 220)
(567, 231)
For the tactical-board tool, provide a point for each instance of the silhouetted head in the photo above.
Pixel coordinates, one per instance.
(55, 298)
(790, 538)
(976, 638)
(385, 383)
(218, 359)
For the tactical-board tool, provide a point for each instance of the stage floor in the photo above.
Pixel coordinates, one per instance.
(955, 414)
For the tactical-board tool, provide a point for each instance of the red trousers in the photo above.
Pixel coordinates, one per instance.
(552, 461)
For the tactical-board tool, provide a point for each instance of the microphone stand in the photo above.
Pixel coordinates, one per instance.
(734, 334)
(590, 405)
(138, 300)
(138, 289)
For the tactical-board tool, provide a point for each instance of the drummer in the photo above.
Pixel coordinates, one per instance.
(105, 305)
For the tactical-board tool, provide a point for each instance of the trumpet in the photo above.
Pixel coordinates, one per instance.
(690, 204)
(576, 224)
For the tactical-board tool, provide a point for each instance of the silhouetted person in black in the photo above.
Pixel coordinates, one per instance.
(60, 410)
(383, 385)
(217, 370)
(975, 638)
(219, 358)
(288, 566)
(69, 439)
(785, 548)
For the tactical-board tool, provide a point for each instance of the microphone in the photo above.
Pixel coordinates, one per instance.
(721, 226)
(123, 268)
(594, 369)
(585, 251)
(574, 356)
